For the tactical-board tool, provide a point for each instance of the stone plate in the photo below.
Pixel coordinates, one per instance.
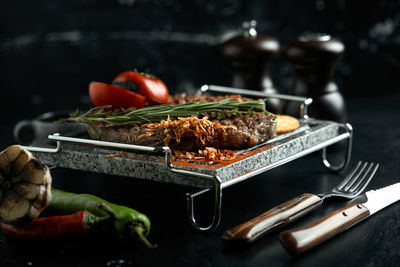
(152, 166)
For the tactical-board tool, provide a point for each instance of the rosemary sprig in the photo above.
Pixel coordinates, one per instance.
(161, 112)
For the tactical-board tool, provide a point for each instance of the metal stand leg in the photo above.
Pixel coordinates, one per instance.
(346, 160)
(189, 197)
(217, 208)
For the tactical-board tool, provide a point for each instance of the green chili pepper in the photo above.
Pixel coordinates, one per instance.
(126, 222)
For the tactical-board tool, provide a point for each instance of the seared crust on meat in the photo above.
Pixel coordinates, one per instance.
(183, 98)
(222, 130)
(234, 132)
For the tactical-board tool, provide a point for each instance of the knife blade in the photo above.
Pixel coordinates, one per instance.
(297, 241)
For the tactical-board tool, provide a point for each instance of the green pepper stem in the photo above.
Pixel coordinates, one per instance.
(139, 232)
(137, 229)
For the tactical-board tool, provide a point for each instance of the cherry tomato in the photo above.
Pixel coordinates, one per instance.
(103, 94)
(148, 85)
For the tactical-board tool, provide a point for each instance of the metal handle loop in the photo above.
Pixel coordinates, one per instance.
(44, 149)
(189, 197)
(217, 207)
(347, 158)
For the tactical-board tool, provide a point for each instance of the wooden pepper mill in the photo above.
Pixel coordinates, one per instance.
(314, 57)
(250, 55)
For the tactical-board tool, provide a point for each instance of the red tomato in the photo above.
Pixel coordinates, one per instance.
(103, 94)
(149, 86)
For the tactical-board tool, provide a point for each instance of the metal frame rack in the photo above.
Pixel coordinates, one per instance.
(345, 133)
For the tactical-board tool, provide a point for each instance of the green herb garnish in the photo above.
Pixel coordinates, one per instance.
(161, 112)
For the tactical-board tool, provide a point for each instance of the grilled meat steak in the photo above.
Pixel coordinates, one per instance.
(184, 98)
(228, 129)
(234, 132)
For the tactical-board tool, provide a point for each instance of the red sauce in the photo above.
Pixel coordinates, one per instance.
(218, 164)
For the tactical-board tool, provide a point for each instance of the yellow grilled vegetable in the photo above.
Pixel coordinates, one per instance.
(25, 186)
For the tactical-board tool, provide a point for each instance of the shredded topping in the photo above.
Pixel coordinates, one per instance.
(187, 127)
(208, 154)
(121, 154)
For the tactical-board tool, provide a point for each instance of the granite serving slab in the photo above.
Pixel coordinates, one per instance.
(153, 166)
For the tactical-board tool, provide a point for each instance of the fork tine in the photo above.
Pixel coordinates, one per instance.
(356, 177)
(345, 181)
(358, 181)
(363, 183)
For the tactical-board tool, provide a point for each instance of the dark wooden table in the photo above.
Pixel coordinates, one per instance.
(373, 242)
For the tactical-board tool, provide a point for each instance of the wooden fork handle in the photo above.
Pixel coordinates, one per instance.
(274, 218)
(299, 240)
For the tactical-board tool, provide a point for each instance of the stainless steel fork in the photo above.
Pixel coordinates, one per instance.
(355, 182)
(353, 185)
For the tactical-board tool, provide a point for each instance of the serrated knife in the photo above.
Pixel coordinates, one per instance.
(297, 241)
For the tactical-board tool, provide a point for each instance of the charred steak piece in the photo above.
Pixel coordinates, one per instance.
(219, 125)
(183, 98)
(230, 132)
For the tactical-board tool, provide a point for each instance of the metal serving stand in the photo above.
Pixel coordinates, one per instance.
(305, 141)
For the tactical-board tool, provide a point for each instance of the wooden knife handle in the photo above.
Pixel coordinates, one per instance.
(272, 219)
(297, 241)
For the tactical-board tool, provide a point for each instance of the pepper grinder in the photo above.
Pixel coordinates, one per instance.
(250, 55)
(314, 57)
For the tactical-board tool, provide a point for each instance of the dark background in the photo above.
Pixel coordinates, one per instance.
(51, 50)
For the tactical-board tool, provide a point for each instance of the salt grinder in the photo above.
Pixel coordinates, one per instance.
(250, 55)
(314, 57)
